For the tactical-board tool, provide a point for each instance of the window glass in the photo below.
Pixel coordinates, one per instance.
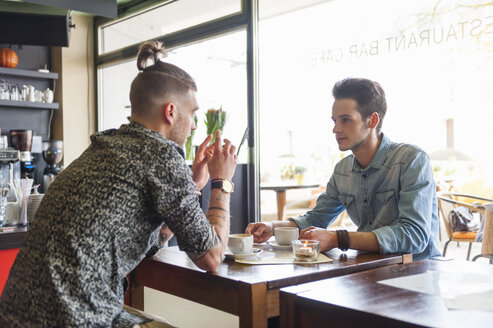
(433, 59)
(169, 17)
(218, 66)
(114, 97)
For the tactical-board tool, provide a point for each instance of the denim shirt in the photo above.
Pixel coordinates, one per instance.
(394, 197)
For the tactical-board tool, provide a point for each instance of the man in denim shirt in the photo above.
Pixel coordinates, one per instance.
(387, 188)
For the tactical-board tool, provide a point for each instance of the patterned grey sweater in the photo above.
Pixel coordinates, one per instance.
(95, 224)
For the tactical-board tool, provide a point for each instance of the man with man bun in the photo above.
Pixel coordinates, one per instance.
(124, 196)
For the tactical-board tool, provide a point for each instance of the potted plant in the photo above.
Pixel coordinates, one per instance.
(299, 171)
(215, 120)
(189, 150)
(287, 172)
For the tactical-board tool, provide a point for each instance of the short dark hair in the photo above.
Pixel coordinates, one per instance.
(158, 81)
(368, 94)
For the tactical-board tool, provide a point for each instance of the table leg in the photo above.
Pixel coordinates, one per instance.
(281, 202)
(253, 305)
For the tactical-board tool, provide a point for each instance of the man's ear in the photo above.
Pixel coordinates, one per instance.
(373, 120)
(169, 113)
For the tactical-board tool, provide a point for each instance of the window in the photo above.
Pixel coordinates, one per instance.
(433, 59)
(166, 18)
(114, 98)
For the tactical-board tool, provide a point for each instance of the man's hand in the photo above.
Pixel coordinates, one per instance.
(222, 161)
(199, 166)
(327, 238)
(261, 231)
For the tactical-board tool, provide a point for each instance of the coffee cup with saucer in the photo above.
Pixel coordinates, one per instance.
(253, 253)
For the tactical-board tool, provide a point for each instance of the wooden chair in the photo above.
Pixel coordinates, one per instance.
(487, 238)
(301, 205)
(446, 203)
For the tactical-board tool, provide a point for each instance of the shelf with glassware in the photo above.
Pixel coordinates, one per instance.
(12, 96)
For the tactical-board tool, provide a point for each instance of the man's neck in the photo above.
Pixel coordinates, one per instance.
(151, 125)
(366, 151)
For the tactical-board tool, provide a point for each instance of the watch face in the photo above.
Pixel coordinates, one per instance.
(227, 186)
(224, 184)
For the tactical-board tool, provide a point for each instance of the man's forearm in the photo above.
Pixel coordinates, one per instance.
(219, 216)
(364, 241)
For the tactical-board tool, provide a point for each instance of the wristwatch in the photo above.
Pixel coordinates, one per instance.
(226, 185)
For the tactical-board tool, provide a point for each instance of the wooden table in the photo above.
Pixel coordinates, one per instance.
(249, 291)
(281, 195)
(357, 300)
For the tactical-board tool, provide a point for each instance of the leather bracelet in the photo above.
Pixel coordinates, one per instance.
(343, 240)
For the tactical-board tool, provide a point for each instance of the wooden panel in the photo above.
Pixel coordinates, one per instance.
(136, 295)
(252, 305)
(196, 286)
(309, 314)
(272, 303)
(407, 258)
(287, 309)
(14, 239)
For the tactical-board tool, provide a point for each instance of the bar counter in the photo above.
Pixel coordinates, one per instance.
(13, 239)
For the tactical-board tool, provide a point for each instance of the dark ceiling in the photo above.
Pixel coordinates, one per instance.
(104, 8)
(48, 22)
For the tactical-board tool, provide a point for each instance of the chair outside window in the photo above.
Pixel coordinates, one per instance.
(487, 237)
(448, 202)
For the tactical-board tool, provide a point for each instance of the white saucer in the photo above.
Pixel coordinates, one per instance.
(255, 251)
(275, 245)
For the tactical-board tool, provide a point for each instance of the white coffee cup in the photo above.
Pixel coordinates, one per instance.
(240, 243)
(285, 235)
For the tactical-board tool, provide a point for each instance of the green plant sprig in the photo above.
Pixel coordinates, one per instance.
(189, 156)
(215, 120)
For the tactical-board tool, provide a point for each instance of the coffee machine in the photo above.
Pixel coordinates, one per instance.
(52, 154)
(9, 167)
(21, 140)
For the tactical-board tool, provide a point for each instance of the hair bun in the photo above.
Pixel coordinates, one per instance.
(150, 51)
